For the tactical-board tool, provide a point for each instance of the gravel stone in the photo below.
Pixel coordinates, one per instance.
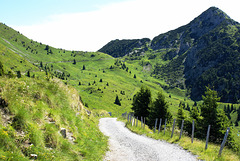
(127, 146)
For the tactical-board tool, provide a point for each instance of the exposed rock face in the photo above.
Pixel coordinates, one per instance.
(208, 44)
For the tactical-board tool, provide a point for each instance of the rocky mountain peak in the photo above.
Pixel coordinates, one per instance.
(210, 19)
(214, 15)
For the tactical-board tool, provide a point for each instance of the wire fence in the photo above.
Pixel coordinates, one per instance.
(134, 122)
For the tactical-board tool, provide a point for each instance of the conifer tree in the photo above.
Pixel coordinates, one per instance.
(46, 48)
(41, 64)
(1, 69)
(19, 74)
(74, 61)
(117, 101)
(141, 102)
(159, 109)
(213, 116)
(238, 116)
(180, 116)
(28, 74)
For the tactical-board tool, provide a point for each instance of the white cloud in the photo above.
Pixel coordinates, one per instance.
(89, 31)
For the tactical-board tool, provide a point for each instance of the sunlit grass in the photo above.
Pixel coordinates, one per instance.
(39, 109)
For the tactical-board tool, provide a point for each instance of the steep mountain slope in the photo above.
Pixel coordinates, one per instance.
(40, 116)
(205, 48)
(46, 120)
(98, 77)
(204, 52)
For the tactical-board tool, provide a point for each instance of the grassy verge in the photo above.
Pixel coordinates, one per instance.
(34, 111)
(196, 148)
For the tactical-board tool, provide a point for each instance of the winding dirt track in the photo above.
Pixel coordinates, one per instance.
(127, 146)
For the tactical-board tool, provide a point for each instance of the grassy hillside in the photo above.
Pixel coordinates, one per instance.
(35, 109)
(33, 112)
(117, 79)
(97, 77)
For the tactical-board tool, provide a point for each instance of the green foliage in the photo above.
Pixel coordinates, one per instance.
(119, 48)
(159, 109)
(238, 116)
(83, 68)
(28, 74)
(74, 61)
(141, 102)
(117, 101)
(211, 114)
(39, 109)
(1, 69)
(180, 116)
(19, 74)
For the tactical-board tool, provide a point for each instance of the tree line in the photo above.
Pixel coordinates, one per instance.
(204, 114)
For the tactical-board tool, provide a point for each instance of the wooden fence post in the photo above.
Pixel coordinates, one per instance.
(208, 131)
(224, 141)
(192, 130)
(144, 123)
(165, 125)
(132, 121)
(137, 122)
(181, 130)
(155, 125)
(159, 128)
(173, 127)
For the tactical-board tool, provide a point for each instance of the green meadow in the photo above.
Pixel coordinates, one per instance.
(59, 79)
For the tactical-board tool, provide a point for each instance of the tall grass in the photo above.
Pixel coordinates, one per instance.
(38, 109)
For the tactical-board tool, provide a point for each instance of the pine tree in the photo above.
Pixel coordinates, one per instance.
(231, 108)
(46, 48)
(194, 115)
(159, 109)
(83, 67)
(28, 74)
(195, 103)
(212, 116)
(117, 101)
(74, 61)
(141, 102)
(19, 74)
(1, 69)
(238, 116)
(180, 116)
(41, 64)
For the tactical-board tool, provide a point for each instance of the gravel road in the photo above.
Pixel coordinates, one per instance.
(127, 146)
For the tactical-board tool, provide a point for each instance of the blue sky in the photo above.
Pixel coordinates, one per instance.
(27, 12)
(87, 25)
